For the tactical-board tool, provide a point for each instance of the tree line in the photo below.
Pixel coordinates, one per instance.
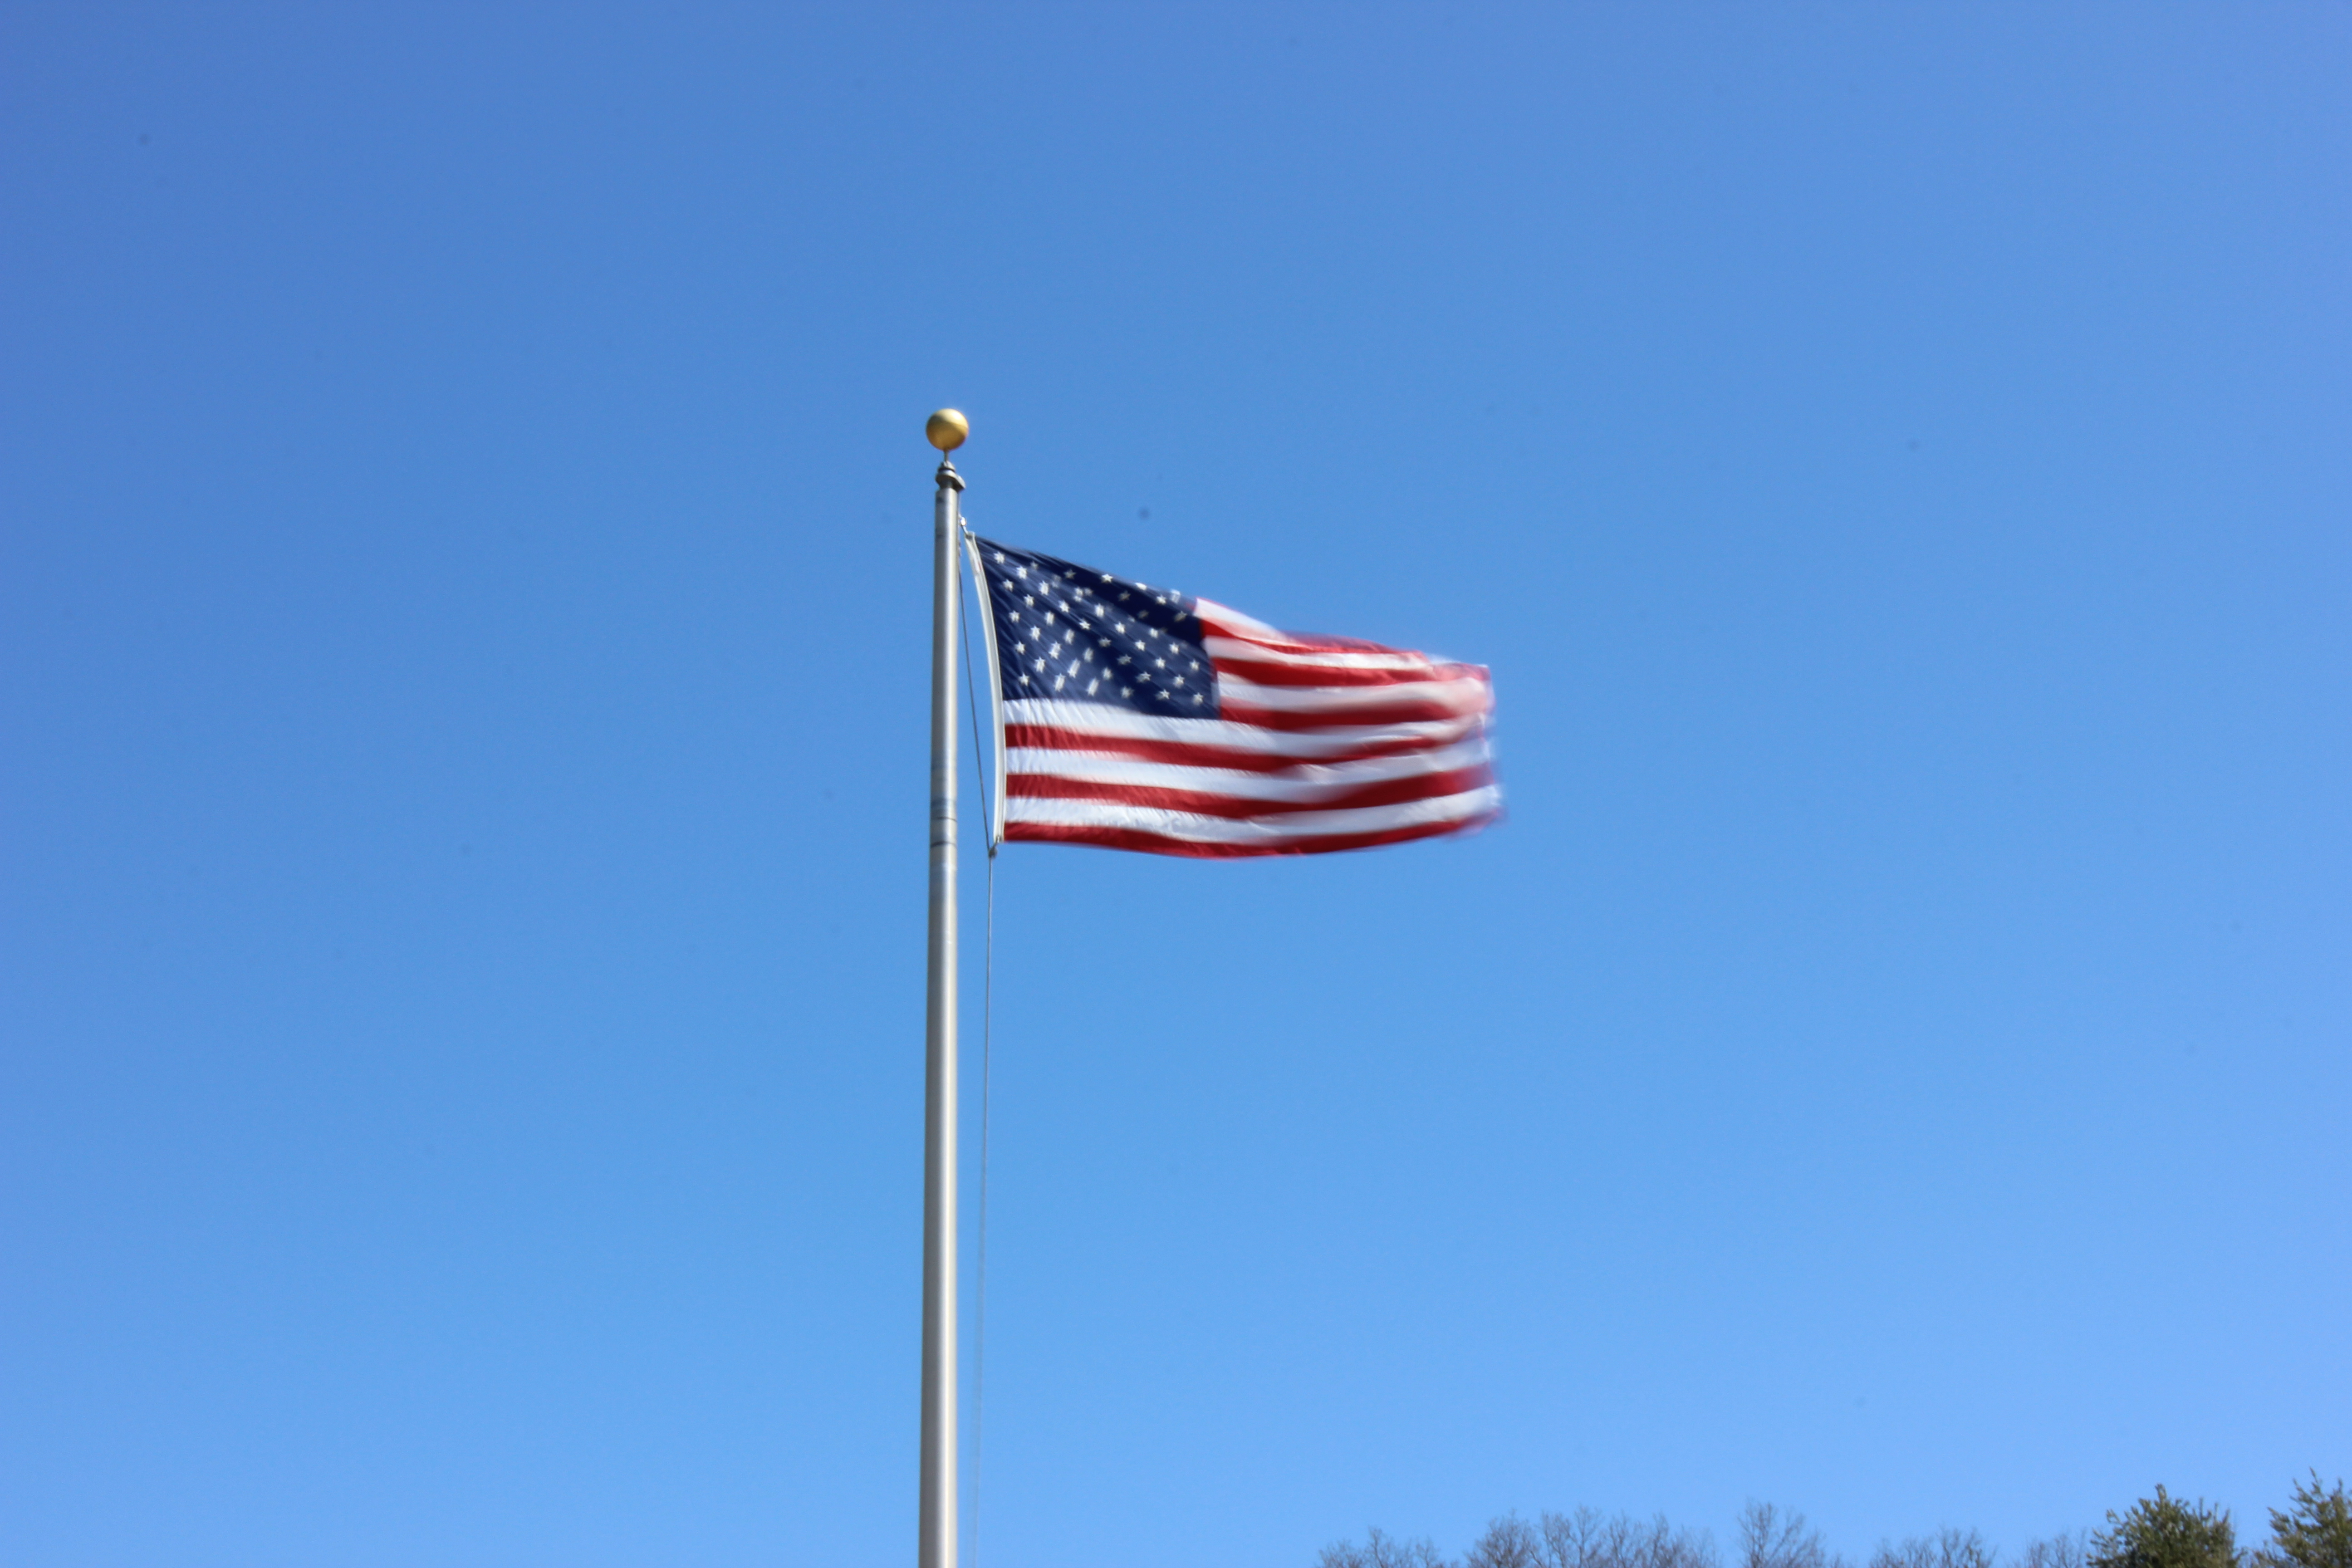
(2162, 1532)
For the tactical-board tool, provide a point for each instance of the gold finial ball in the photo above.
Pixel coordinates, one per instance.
(947, 429)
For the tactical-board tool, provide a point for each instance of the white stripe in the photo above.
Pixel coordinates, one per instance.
(1103, 718)
(1226, 618)
(1307, 782)
(1468, 695)
(1199, 829)
(1250, 637)
(1316, 658)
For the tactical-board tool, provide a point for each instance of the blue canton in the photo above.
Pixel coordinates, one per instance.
(1077, 634)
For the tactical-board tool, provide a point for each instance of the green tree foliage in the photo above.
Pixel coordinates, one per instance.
(2316, 1533)
(2162, 1532)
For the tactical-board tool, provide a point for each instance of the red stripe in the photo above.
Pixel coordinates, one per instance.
(1161, 844)
(1184, 754)
(1265, 674)
(1404, 711)
(1207, 802)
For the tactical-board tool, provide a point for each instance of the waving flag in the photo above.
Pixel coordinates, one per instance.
(1140, 718)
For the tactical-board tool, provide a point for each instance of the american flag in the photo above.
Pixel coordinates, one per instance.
(1141, 718)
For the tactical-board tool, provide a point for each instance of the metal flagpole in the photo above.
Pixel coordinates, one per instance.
(937, 1544)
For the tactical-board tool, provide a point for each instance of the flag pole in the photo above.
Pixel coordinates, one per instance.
(938, 1539)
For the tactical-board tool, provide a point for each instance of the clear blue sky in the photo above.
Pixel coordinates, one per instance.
(462, 618)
